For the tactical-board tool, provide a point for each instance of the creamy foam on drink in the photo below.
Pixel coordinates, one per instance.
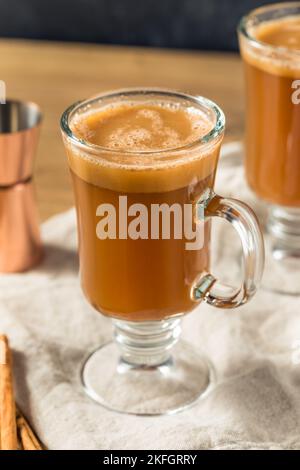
(284, 32)
(133, 136)
(150, 127)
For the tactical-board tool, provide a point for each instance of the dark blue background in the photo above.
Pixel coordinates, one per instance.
(194, 24)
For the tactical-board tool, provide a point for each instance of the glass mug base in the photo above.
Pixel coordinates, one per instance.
(147, 372)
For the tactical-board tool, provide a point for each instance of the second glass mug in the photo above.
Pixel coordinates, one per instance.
(146, 285)
(272, 163)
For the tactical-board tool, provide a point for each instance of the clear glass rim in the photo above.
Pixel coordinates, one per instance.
(243, 27)
(215, 132)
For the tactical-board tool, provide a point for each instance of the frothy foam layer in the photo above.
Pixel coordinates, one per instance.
(137, 127)
(142, 128)
(281, 33)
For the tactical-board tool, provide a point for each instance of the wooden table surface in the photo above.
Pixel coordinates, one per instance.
(54, 75)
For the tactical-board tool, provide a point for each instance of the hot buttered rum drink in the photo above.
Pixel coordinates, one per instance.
(148, 152)
(273, 113)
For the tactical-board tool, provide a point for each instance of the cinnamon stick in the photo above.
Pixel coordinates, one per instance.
(8, 429)
(28, 439)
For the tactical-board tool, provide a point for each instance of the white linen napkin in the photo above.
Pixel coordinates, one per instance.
(255, 350)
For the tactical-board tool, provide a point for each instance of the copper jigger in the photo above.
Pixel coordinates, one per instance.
(20, 242)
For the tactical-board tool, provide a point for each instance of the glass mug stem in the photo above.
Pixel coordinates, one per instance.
(146, 344)
(244, 221)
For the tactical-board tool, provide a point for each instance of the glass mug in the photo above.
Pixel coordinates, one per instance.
(272, 135)
(146, 285)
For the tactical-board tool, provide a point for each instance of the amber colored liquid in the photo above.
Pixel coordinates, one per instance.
(139, 279)
(273, 120)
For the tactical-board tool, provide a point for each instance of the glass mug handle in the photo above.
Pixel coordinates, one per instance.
(243, 219)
